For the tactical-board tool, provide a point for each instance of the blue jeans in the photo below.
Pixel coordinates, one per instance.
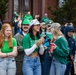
(31, 66)
(7, 66)
(57, 68)
(46, 64)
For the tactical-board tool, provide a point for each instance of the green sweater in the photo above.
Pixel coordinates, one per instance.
(29, 17)
(27, 42)
(61, 52)
(5, 48)
(45, 19)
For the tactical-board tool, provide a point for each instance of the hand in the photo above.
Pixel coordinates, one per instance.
(12, 54)
(53, 47)
(40, 41)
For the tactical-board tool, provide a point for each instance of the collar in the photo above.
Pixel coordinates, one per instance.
(22, 33)
(59, 37)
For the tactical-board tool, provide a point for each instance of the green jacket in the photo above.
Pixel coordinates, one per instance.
(29, 17)
(61, 52)
(45, 19)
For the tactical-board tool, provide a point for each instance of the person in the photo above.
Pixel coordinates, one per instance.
(28, 16)
(42, 29)
(32, 44)
(63, 27)
(45, 18)
(74, 35)
(46, 58)
(24, 30)
(71, 44)
(42, 33)
(60, 51)
(16, 22)
(37, 17)
(8, 51)
(15, 14)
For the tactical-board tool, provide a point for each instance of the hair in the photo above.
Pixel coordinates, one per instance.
(56, 32)
(4, 26)
(55, 29)
(55, 25)
(31, 33)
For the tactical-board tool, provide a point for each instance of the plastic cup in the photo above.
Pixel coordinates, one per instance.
(51, 47)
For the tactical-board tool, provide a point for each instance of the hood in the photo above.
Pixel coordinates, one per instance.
(68, 29)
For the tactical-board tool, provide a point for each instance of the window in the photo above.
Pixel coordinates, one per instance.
(26, 5)
(61, 2)
(15, 5)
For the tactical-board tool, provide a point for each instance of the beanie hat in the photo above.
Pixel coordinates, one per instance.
(25, 22)
(34, 22)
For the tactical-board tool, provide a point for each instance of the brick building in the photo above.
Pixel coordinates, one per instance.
(35, 6)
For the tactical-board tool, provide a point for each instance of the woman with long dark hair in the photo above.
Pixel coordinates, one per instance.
(32, 44)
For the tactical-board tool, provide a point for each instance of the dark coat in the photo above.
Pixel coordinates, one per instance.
(70, 40)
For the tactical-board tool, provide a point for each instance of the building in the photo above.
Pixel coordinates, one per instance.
(35, 6)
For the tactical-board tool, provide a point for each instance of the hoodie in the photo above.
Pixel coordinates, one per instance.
(71, 40)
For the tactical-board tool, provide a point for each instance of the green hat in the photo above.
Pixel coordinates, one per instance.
(25, 22)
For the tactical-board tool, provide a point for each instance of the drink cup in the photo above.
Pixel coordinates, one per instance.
(51, 47)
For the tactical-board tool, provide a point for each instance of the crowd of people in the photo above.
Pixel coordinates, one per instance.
(30, 46)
